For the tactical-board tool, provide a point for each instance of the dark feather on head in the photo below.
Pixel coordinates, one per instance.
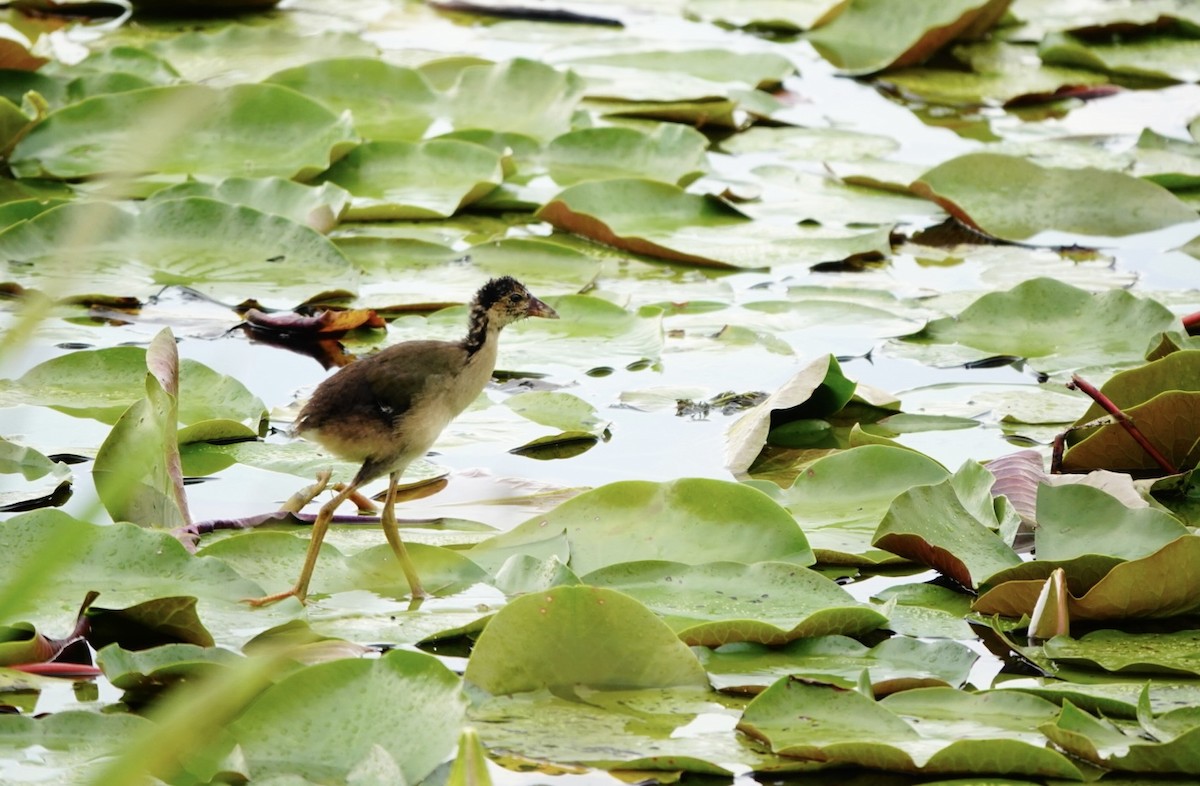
(493, 291)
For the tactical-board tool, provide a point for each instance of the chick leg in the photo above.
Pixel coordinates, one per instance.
(391, 530)
(300, 589)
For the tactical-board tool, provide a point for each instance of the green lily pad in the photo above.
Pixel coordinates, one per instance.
(137, 469)
(406, 180)
(125, 563)
(563, 411)
(895, 664)
(1167, 161)
(838, 515)
(785, 16)
(571, 636)
(815, 391)
(688, 520)
(999, 73)
(811, 144)
(663, 732)
(247, 53)
(318, 207)
(70, 744)
(484, 97)
(872, 35)
(1013, 199)
(670, 153)
(223, 251)
(1129, 750)
(244, 130)
(273, 559)
(751, 69)
(944, 526)
(722, 602)
(102, 383)
(951, 732)
(1055, 325)
(1160, 57)
(387, 102)
(151, 670)
(1112, 699)
(153, 623)
(661, 220)
(29, 463)
(1120, 652)
(415, 704)
(925, 610)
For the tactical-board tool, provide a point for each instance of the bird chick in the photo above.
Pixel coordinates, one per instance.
(387, 410)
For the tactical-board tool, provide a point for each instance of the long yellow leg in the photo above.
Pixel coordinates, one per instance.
(391, 530)
(300, 590)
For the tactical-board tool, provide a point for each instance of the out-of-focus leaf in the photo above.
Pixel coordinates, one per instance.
(150, 624)
(416, 705)
(318, 207)
(1155, 57)
(222, 250)
(246, 130)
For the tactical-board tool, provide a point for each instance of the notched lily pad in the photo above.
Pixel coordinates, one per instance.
(1012, 199)
(1055, 325)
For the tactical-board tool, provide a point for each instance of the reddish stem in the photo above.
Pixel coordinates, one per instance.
(1079, 383)
(1191, 323)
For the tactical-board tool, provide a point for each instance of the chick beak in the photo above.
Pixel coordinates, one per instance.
(536, 308)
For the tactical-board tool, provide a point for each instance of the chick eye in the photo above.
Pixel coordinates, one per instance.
(515, 297)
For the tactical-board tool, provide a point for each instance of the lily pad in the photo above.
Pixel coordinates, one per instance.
(660, 732)
(125, 563)
(692, 520)
(872, 35)
(838, 515)
(484, 96)
(1155, 57)
(387, 102)
(939, 525)
(895, 664)
(1112, 747)
(785, 16)
(950, 731)
(1055, 325)
(405, 180)
(223, 251)
(245, 130)
(102, 383)
(815, 391)
(70, 743)
(1120, 652)
(1013, 199)
(148, 671)
(318, 207)
(670, 153)
(572, 636)
(416, 705)
(1130, 590)
(721, 602)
